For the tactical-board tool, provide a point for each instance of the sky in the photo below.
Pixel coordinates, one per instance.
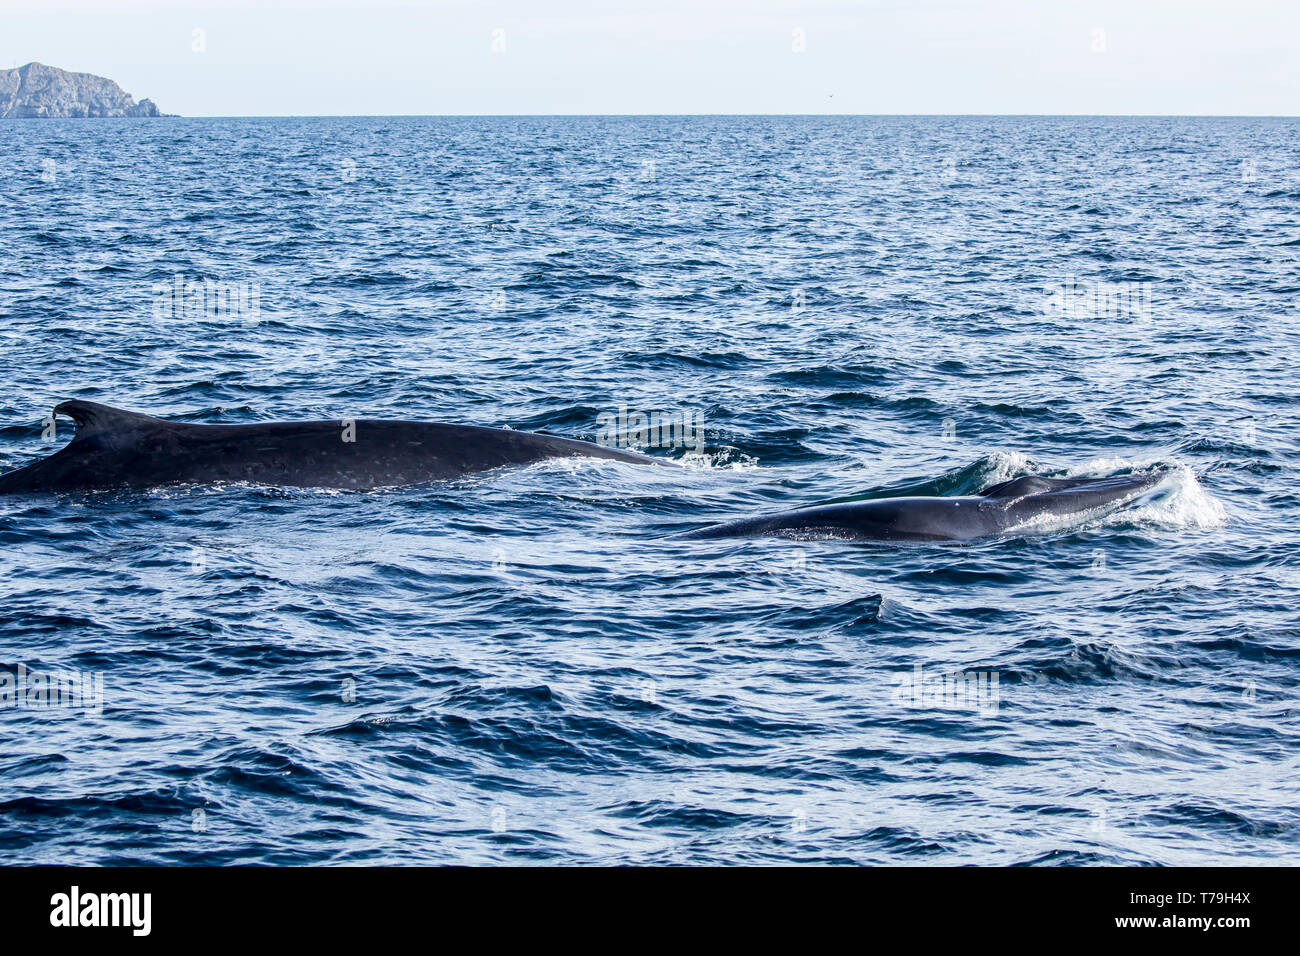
(422, 57)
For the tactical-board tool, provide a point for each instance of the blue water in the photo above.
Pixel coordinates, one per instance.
(525, 666)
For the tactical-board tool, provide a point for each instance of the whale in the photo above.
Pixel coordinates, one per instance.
(118, 449)
(1018, 504)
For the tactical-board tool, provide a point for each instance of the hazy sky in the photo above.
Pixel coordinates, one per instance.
(281, 57)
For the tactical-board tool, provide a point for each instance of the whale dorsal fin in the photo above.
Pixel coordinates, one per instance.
(93, 418)
(1026, 485)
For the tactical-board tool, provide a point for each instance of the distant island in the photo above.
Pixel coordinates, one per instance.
(46, 92)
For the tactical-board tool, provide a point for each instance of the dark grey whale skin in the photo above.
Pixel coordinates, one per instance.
(120, 449)
(995, 510)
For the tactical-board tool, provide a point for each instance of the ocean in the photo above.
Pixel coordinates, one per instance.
(528, 666)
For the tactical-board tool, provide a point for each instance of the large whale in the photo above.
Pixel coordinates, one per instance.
(119, 449)
(1018, 504)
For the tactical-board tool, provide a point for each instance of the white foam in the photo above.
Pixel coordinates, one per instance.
(714, 461)
(1180, 502)
(1005, 465)
(1104, 467)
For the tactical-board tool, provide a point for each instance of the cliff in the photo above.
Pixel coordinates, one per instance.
(37, 90)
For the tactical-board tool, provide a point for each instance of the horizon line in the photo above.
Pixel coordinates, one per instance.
(671, 115)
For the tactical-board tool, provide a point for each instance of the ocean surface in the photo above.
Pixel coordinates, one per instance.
(527, 666)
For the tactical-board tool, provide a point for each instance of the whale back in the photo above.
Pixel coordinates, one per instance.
(114, 448)
(999, 508)
(1027, 485)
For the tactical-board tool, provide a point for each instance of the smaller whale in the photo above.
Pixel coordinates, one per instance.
(115, 449)
(1007, 506)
